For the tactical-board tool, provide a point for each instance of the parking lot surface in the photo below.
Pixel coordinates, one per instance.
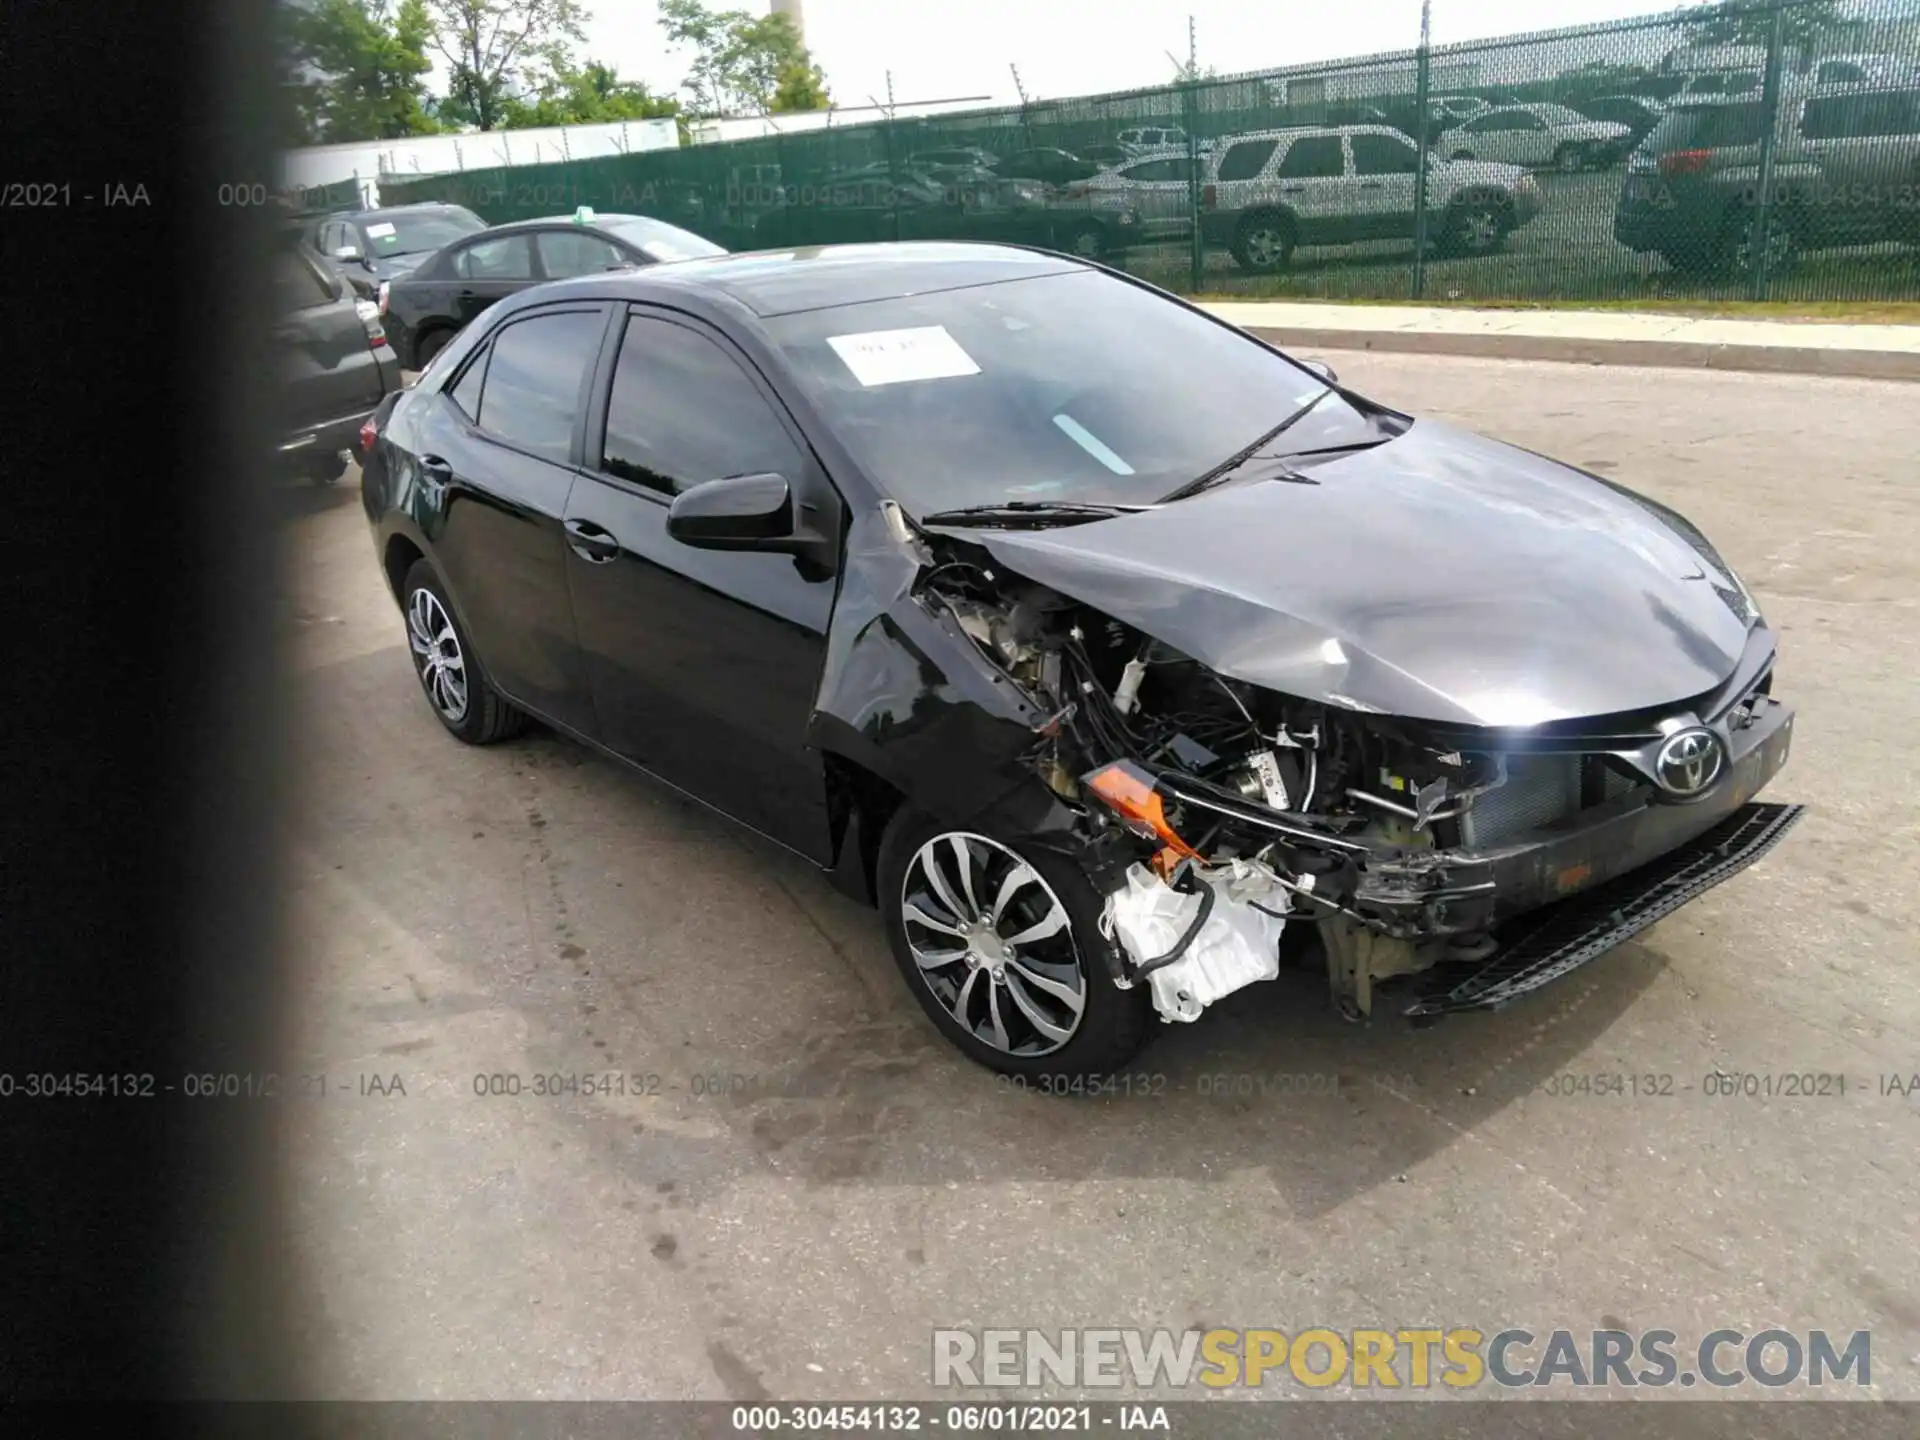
(802, 1180)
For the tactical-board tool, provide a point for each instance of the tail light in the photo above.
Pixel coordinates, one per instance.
(383, 297)
(369, 432)
(1685, 162)
(370, 321)
(1209, 197)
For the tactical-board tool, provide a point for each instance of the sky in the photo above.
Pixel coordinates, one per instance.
(951, 49)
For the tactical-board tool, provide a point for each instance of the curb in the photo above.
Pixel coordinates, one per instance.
(1775, 359)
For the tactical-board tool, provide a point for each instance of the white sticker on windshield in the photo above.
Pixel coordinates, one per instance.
(380, 231)
(886, 357)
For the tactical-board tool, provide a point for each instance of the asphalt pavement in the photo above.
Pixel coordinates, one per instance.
(802, 1180)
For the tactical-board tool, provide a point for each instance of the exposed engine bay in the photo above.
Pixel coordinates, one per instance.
(1217, 814)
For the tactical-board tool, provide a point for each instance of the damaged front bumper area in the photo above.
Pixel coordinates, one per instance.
(1483, 924)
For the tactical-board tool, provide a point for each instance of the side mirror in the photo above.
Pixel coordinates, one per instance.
(742, 512)
(1323, 370)
(347, 252)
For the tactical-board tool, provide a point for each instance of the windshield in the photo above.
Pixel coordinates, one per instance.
(660, 241)
(1708, 127)
(1071, 387)
(1559, 115)
(400, 234)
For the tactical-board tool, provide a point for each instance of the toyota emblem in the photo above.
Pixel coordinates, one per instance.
(1689, 762)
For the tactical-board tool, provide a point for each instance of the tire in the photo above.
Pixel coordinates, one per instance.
(1264, 244)
(1478, 227)
(326, 468)
(1087, 242)
(431, 344)
(482, 715)
(986, 978)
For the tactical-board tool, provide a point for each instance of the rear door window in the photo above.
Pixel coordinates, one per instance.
(1317, 157)
(1383, 155)
(531, 394)
(1847, 117)
(510, 257)
(564, 253)
(1247, 159)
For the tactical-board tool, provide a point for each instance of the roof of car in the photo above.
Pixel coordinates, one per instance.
(785, 282)
(416, 208)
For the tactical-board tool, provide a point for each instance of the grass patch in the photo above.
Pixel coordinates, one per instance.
(1828, 312)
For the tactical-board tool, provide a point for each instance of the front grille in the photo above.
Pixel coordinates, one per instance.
(1539, 790)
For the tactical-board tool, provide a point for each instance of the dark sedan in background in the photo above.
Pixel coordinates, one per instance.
(426, 308)
(370, 246)
(1105, 648)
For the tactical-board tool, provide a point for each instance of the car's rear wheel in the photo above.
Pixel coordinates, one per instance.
(1088, 241)
(1001, 946)
(431, 344)
(1743, 250)
(1476, 228)
(457, 689)
(1264, 244)
(326, 467)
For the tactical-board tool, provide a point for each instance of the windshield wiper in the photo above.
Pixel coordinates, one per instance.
(1240, 457)
(1029, 511)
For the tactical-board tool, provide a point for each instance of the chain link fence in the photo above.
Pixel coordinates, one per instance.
(1763, 149)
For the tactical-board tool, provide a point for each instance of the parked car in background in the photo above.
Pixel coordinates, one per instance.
(426, 308)
(1152, 137)
(875, 204)
(1863, 69)
(1637, 112)
(1705, 83)
(1458, 108)
(333, 361)
(1536, 136)
(1846, 171)
(1051, 616)
(374, 245)
(1051, 167)
(1104, 157)
(1265, 194)
(967, 157)
(1157, 187)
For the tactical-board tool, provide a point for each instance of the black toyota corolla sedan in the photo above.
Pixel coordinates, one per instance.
(1114, 655)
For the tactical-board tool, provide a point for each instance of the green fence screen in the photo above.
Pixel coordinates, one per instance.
(1754, 149)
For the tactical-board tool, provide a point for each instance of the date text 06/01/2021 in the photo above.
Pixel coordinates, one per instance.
(953, 1419)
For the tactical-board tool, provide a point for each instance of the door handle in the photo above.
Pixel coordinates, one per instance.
(1373, 185)
(1292, 189)
(591, 543)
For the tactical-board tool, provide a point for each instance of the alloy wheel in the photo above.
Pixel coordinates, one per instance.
(1266, 247)
(436, 653)
(1479, 230)
(993, 943)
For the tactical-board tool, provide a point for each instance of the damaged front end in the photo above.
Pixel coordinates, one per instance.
(1218, 816)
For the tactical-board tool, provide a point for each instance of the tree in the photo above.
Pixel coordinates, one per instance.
(1750, 22)
(500, 49)
(356, 69)
(591, 95)
(742, 62)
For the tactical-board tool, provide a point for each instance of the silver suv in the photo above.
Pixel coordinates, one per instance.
(1268, 192)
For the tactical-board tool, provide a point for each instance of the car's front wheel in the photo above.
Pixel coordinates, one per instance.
(431, 344)
(1264, 244)
(1001, 945)
(457, 689)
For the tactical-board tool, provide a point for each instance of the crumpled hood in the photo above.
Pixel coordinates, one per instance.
(1441, 576)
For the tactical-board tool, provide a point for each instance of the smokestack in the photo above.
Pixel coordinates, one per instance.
(791, 9)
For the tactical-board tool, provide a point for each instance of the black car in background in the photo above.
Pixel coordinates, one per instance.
(1637, 112)
(1051, 167)
(335, 365)
(370, 246)
(428, 306)
(1103, 647)
(878, 205)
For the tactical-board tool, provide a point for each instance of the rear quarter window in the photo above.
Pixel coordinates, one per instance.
(1709, 127)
